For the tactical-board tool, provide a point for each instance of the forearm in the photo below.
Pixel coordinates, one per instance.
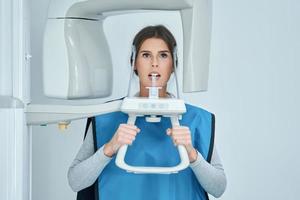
(87, 165)
(82, 174)
(211, 176)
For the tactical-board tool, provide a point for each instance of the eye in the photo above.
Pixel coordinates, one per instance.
(146, 55)
(164, 55)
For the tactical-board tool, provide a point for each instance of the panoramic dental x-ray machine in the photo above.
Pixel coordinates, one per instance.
(76, 54)
(75, 57)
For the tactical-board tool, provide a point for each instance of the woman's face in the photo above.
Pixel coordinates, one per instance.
(154, 57)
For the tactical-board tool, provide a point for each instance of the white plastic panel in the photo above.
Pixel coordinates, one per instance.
(76, 68)
(90, 8)
(55, 70)
(90, 67)
(197, 35)
(5, 48)
(76, 59)
(14, 155)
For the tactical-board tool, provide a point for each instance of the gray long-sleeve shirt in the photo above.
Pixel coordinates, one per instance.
(88, 165)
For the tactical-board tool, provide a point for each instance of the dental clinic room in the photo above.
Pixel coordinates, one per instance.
(149, 100)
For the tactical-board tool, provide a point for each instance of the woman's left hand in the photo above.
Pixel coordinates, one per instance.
(181, 135)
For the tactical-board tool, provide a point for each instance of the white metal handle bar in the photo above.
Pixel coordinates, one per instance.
(184, 163)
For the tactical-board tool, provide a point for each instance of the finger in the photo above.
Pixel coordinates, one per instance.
(128, 131)
(122, 141)
(181, 132)
(128, 137)
(128, 142)
(172, 130)
(180, 137)
(181, 142)
(181, 128)
(130, 126)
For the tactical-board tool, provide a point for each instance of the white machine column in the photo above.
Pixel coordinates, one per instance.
(15, 156)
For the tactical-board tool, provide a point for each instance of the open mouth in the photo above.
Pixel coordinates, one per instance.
(155, 75)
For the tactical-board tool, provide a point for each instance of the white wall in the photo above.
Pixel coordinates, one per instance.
(253, 90)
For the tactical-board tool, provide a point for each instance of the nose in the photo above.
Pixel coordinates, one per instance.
(154, 61)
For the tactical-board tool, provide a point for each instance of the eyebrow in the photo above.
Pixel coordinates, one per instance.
(162, 51)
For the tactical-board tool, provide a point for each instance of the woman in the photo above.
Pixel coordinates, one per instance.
(154, 46)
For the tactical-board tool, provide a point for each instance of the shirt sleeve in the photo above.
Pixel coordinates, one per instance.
(211, 175)
(87, 165)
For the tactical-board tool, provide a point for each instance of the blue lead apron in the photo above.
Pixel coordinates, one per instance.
(152, 147)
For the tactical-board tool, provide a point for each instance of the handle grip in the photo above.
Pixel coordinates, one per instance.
(184, 163)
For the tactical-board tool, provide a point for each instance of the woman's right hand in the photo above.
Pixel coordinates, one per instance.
(125, 134)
